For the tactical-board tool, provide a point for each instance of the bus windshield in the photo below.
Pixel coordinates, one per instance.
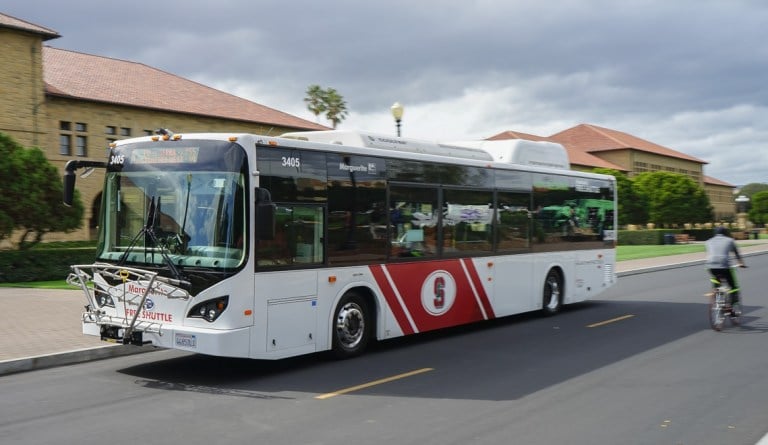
(185, 204)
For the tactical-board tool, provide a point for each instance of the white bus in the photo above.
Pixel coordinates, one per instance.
(243, 245)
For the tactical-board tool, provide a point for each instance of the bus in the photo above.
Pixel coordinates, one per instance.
(267, 247)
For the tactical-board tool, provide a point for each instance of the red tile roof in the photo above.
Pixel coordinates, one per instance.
(517, 135)
(591, 138)
(6, 21)
(576, 157)
(714, 181)
(102, 79)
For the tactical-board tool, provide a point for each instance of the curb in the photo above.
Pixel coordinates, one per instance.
(642, 270)
(70, 358)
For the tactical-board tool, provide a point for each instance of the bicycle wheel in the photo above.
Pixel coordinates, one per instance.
(716, 315)
(736, 313)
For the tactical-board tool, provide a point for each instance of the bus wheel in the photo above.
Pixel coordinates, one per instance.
(351, 326)
(553, 293)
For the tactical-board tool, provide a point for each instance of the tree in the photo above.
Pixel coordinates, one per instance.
(315, 100)
(752, 188)
(758, 214)
(633, 207)
(673, 198)
(9, 187)
(327, 101)
(749, 190)
(31, 195)
(336, 107)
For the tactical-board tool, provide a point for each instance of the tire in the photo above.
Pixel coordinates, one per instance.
(736, 314)
(352, 326)
(552, 296)
(716, 314)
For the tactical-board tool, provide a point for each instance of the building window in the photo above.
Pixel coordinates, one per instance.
(148, 132)
(81, 127)
(125, 131)
(82, 145)
(65, 144)
(65, 126)
(110, 129)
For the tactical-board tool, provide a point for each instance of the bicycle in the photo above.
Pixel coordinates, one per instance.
(721, 305)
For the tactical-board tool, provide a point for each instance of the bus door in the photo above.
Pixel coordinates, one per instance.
(286, 280)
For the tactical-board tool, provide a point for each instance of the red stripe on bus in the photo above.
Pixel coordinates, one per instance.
(475, 277)
(392, 301)
(408, 278)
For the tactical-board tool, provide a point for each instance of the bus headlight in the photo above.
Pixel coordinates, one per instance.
(209, 310)
(104, 299)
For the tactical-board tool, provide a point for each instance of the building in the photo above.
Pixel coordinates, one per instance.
(72, 105)
(590, 146)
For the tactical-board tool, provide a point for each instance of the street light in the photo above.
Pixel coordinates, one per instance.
(741, 204)
(397, 113)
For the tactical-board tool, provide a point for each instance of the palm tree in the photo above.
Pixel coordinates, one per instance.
(335, 107)
(315, 100)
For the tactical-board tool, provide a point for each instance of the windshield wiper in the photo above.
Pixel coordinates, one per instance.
(149, 231)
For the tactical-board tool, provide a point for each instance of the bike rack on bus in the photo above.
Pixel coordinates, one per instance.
(94, 280)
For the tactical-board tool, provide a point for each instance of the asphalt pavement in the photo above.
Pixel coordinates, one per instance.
(40, 328)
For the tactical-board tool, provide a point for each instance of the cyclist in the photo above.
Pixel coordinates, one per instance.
(719, 249)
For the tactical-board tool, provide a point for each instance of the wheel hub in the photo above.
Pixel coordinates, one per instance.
(350, 325)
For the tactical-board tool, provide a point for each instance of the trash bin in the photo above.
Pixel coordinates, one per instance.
(669, 238)
(756, 234)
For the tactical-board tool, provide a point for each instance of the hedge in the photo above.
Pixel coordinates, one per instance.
(656, 236)
(41, 264)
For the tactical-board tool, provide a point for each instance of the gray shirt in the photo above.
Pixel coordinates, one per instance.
(719, 248)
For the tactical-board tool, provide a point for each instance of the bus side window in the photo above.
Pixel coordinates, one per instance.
(414, 218)
(515, 222)
(306, 235)
(298, 237)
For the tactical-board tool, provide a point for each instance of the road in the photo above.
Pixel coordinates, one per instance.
(638, 366)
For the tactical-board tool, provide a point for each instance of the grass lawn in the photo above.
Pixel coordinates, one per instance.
(624, 253)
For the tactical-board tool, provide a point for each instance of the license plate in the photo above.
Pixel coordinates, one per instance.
(186, 340)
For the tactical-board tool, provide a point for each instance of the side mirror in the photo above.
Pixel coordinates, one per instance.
(69, 177)
(265, 215)
(69, 187)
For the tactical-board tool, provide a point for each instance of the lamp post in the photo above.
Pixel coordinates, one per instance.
(741, 211)
(741, 203)
(397, 113)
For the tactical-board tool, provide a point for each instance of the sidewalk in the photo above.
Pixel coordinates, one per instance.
(40, 328)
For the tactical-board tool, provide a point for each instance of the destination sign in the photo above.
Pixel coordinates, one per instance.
(165, 155)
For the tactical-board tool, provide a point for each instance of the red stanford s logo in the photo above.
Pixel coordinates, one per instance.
(438, 292)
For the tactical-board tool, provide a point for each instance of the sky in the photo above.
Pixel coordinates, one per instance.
(690, 75)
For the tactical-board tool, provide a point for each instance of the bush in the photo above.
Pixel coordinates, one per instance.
(42, 263)
(656, 236)
(641, 237)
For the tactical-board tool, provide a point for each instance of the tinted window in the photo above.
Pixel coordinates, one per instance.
(574, 211)
(292, 175)
(467, 222)
(357, 209)
(414, 216)
(514, 221)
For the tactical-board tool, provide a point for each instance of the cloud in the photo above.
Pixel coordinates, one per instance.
(688, 74)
